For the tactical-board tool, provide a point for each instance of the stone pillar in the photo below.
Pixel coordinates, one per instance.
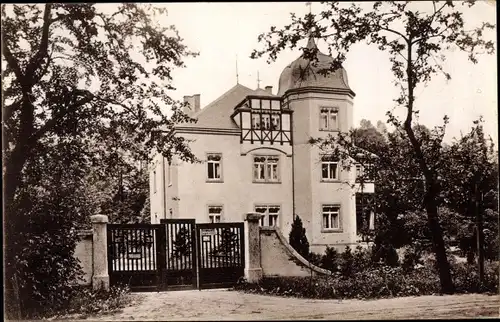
(100, 276)
(253, 270)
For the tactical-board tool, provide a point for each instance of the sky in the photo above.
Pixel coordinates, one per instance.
(220, 32)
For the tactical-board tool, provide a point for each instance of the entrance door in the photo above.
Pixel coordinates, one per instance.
(221, 254)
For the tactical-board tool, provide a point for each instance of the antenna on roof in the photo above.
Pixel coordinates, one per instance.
(237, 80)
(258, 80)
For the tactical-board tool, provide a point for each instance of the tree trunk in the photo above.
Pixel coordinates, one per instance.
(431, 188)
(479, 233)
(12, 179)
(447, 286)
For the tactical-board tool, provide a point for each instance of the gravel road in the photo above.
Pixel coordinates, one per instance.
(232, 305)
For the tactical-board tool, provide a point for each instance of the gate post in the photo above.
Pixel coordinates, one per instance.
(100, 276)
(253, 270)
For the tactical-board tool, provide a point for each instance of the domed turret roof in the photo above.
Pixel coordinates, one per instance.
(301, 74)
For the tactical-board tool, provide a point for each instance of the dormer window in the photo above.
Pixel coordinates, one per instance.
(263, 119)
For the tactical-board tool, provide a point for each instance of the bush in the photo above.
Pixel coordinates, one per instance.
(466, 278)
(347, 268)
(362, 259)
(85, 301)
(315, 259)
(385, 253)
(330, 260)
(46, 269)
(376, 282)
(380, 282)
(411, 259)
(346, 263)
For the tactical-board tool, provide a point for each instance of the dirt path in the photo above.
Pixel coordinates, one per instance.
(231, 305)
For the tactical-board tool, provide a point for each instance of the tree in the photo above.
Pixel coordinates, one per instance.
(416, 42)
(470, 190)
(182, 243)
(298, 239)
(368, 137)
(94, 81)
(52, 205)
(227, 244)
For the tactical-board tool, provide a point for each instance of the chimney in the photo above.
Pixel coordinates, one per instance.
(269, 89)
(194, 104)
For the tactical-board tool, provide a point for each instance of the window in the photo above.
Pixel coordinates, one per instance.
(365, 216)
(275, 122)
(265, 168)
(256, 121)
(270, 215)
(214, 214)
(331, 217)
(266, 124)
(214, 167)
(329, 168)
(154, 181)
(365, 172)
(328, 119)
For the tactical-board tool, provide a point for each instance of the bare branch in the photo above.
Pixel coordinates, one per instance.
(395, 32)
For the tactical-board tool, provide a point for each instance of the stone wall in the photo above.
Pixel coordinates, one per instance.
(91, 251)
(278, 258)
(83, 252)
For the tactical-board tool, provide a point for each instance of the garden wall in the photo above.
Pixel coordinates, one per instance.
(278, 258)
(83, 252)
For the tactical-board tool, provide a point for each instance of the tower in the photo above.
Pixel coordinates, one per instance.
(321, 105)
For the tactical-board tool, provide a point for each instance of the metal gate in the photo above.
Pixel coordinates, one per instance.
(180, 266)
(221, 255)
(135, 255)
(176, 254)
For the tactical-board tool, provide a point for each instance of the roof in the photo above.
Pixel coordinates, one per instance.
(218, 113)
(300, 73)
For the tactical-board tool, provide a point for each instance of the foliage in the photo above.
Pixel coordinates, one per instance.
(467, 280)
(84, 90)
(298, 239)
(182, 243)
(85, 302)
(346, 262)
(128, 199)
(371, 284)
(315, 259)
(330, 260)
(51, 208)
(228, 242)
(416, 41)
(375, 282)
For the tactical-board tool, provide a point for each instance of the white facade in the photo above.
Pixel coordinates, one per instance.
(256, 157)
